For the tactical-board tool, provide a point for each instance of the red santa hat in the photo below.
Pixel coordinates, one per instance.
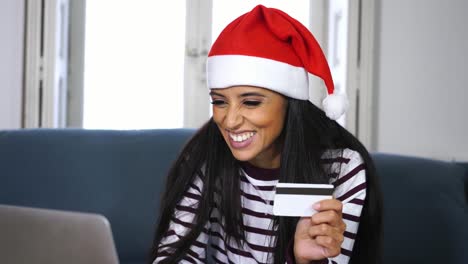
(267, 48)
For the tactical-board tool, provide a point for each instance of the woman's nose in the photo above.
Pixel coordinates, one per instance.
(233, 118)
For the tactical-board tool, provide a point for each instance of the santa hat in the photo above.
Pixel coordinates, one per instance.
(267, 48)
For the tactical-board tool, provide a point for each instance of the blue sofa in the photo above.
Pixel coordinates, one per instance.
(120, 174)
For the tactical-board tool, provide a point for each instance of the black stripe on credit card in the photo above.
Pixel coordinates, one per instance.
(304, 191)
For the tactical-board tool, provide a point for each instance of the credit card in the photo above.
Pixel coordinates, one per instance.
(297, 199)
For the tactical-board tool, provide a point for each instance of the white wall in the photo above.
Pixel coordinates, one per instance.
(422, 78)
(11, 62)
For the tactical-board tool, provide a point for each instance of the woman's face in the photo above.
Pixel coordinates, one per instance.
(250, 120)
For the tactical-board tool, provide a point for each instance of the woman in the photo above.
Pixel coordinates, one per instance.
(263, 131)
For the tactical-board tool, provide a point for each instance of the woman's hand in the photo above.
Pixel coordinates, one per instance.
(320, 236)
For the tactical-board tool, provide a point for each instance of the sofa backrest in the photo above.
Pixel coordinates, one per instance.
(465, 166)
(118, 174)
(425, 210)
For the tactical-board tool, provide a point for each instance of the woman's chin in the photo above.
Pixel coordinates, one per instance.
(243, 155)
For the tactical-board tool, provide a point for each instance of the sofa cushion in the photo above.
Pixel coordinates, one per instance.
(115, 173)
(425, 210)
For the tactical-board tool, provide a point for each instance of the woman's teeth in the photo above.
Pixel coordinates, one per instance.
(241, 137)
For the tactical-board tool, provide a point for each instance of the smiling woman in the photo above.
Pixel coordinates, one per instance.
(220, 191)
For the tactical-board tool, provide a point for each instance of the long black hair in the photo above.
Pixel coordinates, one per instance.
(306, 136)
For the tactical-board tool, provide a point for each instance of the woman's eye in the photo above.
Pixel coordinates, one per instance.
(252, 103)
(217, 102)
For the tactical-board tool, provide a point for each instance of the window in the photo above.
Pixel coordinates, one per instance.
(134, 64)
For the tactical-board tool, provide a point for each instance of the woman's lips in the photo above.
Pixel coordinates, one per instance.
(241, 144)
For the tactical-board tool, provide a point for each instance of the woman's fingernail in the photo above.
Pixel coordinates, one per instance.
(325, 252)
(316, 206)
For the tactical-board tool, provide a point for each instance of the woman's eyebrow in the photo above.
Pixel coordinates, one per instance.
(215, 93)
(252, 94)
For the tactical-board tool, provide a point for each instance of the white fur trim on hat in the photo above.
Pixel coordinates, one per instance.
(335, 105)
(229, 70)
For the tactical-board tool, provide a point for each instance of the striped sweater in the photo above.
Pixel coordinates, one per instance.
(258, 191)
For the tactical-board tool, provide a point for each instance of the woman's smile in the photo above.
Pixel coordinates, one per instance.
(241, 140)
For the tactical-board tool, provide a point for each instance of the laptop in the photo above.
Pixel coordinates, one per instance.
(31, 235)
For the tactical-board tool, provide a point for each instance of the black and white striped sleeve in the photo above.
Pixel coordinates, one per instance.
(181, 222)
(350, 189)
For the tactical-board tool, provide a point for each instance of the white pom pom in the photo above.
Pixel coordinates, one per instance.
(335, 105)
